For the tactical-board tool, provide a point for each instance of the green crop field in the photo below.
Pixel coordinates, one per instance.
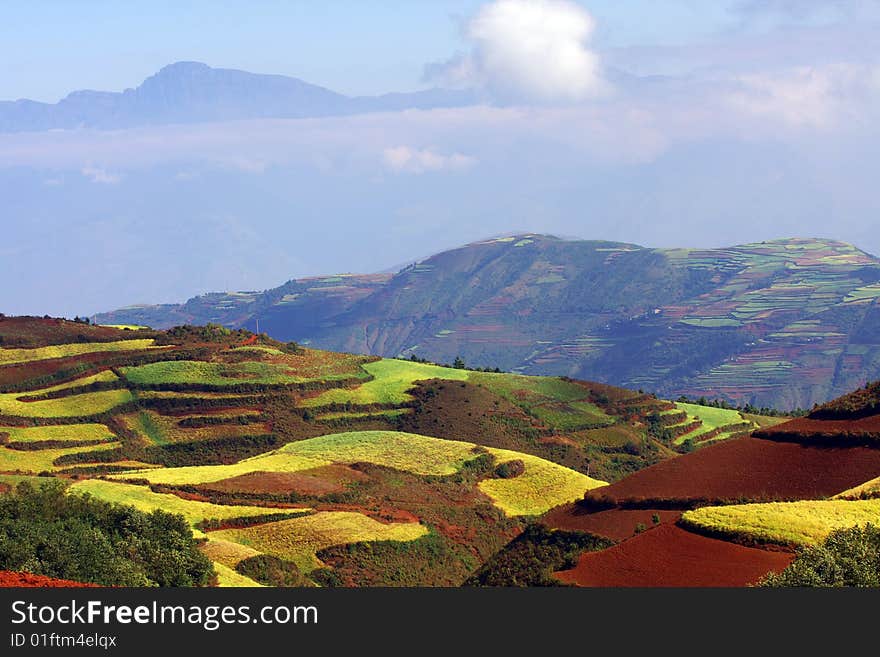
(214, 374)
(712, 418)
(13, 460)
(795, 523)
(145, 425)
(542, 486)
(529, 390)
(90, 403)
(61, 432)
(298, 539)
(144, 499)
(10, 356)
(392, 379)
(571, 416)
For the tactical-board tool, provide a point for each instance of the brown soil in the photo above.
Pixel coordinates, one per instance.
(669, 556)
(744, 469)
(315, 481)
(11, 579)
(616, 524)
(840, 430)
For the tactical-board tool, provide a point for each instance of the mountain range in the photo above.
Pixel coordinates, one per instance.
(787, 323)
(192, 92)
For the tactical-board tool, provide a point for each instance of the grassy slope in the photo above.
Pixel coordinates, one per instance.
(392, 379)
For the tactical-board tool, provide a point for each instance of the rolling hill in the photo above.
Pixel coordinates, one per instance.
(785, 324)
(294, 465)
(291, 466)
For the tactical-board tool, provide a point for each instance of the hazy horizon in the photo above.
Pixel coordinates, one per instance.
(687, 124)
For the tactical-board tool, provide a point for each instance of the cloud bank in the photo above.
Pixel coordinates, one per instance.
(403, 159)
(534, 50)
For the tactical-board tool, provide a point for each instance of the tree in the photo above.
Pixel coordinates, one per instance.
(458, 363)
(847, 557)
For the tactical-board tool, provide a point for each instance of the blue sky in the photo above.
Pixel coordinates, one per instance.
(668, 124)
(51, 47)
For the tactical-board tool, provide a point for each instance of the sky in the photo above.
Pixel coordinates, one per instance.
(675, 123)
(357, 47)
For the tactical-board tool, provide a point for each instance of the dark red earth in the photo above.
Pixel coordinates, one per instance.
(745, 469)
(669, 556)
(616, 524)
(11, 579)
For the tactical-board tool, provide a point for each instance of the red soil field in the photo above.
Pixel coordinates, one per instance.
(616, 524)
(11, 579)
(669, 556)
(865, 427)
(748, 469)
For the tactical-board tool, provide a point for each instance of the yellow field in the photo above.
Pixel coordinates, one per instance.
(276, 461)
(392, 379)
(542, 486)
(10, 356)
(868, 489)
(393, 449)
(144, 499)
(298, 539)
(12, 460)
(90, 403)
(228, 578)
(61, 432)
(228, 553)
(797, 523)
(101, 377)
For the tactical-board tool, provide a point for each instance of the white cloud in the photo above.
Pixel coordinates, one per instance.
(527, 50)
(403, 159)
(97, 175)
(810, 96)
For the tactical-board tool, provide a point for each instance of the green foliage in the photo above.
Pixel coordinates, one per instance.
(847, 557)
(510, 469)
(271, 571)
(45, 531)
(533, 557)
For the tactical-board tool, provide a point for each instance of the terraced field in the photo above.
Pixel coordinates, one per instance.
(714, 424)
(11, 356)
(298, 539)
(348, 470)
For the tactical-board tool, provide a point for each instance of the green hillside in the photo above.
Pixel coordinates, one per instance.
(783, 324)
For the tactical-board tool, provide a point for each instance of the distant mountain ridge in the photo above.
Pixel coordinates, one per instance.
(192, 92)
(786, 323)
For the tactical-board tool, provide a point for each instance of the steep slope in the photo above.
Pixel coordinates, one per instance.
(787, 323)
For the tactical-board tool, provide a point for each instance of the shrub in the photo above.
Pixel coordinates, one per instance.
(847, 557)
(270, 570)
(47, 532)
(510, 469)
